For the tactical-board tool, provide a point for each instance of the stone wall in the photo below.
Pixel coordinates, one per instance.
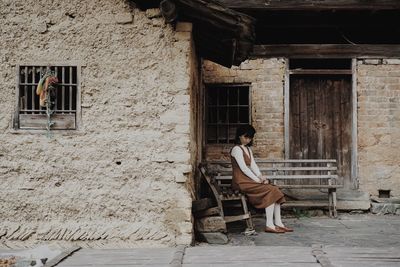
(123, 178)
(378, 88)
(266, 79)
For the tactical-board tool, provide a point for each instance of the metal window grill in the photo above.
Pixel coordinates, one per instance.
(228, 106)
(65, 93)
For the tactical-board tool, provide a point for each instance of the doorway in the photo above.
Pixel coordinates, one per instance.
(320, 112)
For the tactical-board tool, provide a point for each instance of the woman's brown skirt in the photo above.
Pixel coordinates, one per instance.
(260, 195)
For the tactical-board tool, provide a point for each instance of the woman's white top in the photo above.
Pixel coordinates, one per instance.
(253, 172)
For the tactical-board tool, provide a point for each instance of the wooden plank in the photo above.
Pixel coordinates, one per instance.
(207, 212)
(354, 256)
(294, 118)
(354, 138)
(326, 51)
(303, 85)
(288, 186)
(319, 72)
(311, 4)
(287, 122)
(296, 176)
(344, 161)
(64, 254)
(249, 256)
(276, 169)
(308, 186)
(236, 218)
(120, 257)
(297, 161)
(305, 204)
(312, 176)
(230, 197)
(260, 161)
(140, 253)
(39, 121)
(177, 259)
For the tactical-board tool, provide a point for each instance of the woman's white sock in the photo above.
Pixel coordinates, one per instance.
(269, 214)
(277, 215)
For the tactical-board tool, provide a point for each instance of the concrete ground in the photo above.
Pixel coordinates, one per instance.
(350, 230)
(352, 240)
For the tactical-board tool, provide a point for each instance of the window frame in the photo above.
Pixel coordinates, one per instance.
(78, 113)
(206, 118)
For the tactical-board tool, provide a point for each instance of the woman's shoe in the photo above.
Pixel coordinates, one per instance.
(286, 229)
(275, 231)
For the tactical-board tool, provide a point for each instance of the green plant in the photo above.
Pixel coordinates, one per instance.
(300, 213)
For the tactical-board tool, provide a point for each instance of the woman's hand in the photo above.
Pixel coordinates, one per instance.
(264, 179)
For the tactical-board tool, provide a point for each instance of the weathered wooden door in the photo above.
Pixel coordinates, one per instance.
(320, 120)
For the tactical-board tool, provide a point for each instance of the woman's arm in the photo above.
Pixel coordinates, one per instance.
(256, 170)
(237, 153)
(253, 165)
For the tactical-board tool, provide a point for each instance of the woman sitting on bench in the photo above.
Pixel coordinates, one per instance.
(248, 179)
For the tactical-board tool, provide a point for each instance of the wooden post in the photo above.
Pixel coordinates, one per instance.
(334, 203)
(330, 195)
(249, 222)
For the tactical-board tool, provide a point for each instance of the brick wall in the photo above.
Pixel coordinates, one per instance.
(266, 79)
(378, 88)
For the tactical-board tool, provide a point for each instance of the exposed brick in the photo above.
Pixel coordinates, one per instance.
(266, 78)
(378, 146)
(392, 61)
(372, 61)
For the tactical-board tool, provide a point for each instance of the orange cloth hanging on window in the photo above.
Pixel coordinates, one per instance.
(43, 88)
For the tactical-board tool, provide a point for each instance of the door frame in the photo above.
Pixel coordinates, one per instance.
(354, 156)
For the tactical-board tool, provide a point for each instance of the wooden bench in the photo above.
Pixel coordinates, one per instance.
(224, 195)
(287, 174)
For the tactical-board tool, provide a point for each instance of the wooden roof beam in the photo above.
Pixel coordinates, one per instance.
(222, 35)
(311, 4)
(326, 51)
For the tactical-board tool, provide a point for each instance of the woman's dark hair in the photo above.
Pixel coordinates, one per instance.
(246, 130)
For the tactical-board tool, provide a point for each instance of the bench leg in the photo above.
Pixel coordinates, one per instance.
(249, 221)
(330, 196)
(221, 208)
(334, 203)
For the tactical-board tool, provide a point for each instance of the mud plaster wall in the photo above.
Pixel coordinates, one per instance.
(266, 80)
(378, 89)
(135, 91)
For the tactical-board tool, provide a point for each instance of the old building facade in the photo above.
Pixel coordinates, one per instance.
(123, 174)
(121, 168)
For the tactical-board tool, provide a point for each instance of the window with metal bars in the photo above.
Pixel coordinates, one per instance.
(227, 107)
(30, 115)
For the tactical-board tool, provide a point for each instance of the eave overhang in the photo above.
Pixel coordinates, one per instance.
(221, 35)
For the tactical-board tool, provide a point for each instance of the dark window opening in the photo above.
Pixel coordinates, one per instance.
(227, 108)
(384, 193)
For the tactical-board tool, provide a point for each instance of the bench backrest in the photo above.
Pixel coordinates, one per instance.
(291, 171)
